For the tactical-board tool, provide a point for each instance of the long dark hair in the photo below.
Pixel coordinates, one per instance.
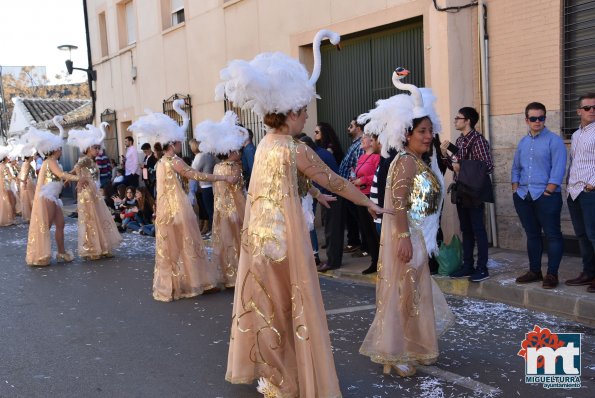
(329, 140)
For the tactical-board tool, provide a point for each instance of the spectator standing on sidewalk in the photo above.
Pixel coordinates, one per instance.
(248, 152)
(471, 146)
(149, 165)
(364, 173)
(326, 138)
(581, 190)
(348, 210)
(537, 173)
(131, 167)
(105, 168)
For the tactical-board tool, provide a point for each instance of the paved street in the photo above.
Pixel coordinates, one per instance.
(92, 329)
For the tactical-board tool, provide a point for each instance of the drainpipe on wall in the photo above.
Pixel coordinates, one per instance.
(482, 16)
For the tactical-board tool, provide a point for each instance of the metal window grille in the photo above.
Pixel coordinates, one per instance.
(248, 119)
(579, 58)
(111, 139)
(168, 109)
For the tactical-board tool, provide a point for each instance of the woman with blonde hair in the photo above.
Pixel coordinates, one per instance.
(98, 235)
(182, 269)
(279, 333)
(47, 206)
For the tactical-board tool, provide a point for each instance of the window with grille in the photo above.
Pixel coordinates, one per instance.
(578, 75)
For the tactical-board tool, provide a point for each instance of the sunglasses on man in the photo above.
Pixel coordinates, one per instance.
(587, 108)
(533, 119)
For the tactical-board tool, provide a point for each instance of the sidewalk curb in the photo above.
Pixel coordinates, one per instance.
(559, 301)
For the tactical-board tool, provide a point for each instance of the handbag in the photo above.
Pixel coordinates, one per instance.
(450, 256)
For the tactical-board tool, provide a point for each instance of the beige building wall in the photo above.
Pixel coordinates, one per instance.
(525, 66)
(524, 60)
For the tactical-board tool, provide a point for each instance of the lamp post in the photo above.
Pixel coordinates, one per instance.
(92, 75)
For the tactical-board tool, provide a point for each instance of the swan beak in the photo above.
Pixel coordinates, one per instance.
(338, 46)
(404, 72)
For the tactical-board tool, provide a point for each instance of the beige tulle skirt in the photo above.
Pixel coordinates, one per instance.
(97, 231)
(411, 311)
(39, 247)
(7, 210)
(279, 329)
(27, 194)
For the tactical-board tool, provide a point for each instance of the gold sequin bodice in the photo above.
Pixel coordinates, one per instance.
(88, 168)
(423, 190)
(50, 176)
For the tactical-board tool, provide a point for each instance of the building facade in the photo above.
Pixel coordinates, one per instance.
(146, 53)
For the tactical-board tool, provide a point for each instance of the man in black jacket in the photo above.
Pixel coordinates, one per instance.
(471, 146)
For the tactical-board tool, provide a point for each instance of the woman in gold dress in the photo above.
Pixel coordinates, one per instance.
(225, 139)
(27, 184)
(411, 310)
(7, 200)
(279, 332)
(47, 206)
(98, 235)
(182, 269)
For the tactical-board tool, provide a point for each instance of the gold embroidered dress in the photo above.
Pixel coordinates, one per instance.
(7, 210)
(45, 204)
(411, 311)
(97, 231)
(15, 186)
(228, 219)
(27, 188)
(181, 266)
(279, 330)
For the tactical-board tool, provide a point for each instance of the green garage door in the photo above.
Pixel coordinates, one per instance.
(353, 79)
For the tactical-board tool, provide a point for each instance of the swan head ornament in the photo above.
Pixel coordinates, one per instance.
(272, 82)
(223, 137)
(392, 118)
(85, 138)
(401, 72)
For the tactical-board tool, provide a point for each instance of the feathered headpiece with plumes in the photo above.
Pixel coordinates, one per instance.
(393, 117)
(223, 137)
(4, 151)
(391, 120)
(272, 82)
(84, 139)
(160, 127)
(43, 141)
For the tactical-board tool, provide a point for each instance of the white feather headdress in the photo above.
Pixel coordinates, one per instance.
(15, 151)
(84, 139)
(4, 151)
(160, 127)
(272, 82)
(393, 117)
(44, 141)
(221, 137)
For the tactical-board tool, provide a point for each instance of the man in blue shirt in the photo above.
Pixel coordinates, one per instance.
(537, 173)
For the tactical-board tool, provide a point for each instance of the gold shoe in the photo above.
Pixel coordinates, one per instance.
(403, 370)
(64, 257)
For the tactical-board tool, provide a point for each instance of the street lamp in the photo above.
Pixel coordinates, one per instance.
(70, 65)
